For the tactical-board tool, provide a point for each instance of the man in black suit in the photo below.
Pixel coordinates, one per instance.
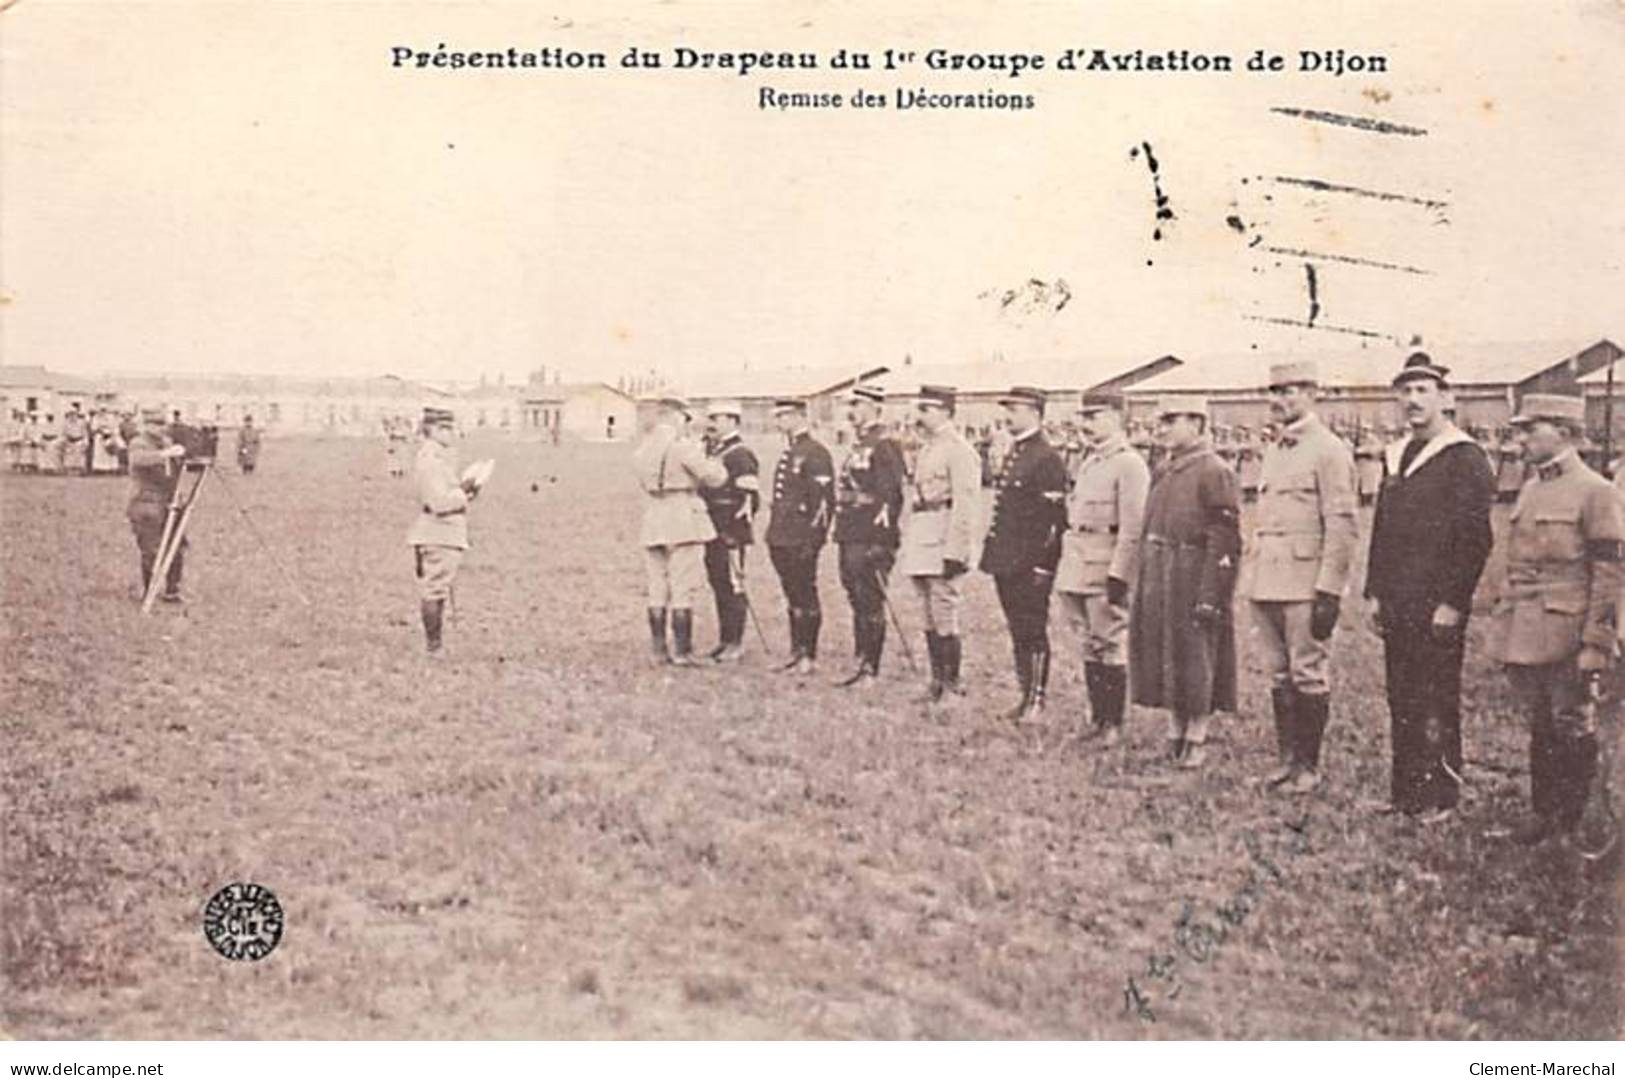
(1429, 541)
(1024, 540)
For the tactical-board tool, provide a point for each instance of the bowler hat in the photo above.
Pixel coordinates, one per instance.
(1420, 365)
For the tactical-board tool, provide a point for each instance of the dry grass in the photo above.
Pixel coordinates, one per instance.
(544, 837)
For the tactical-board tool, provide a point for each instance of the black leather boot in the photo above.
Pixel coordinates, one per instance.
(1039, 658)
(682, 637)
(1284, 698)
(657, 634)
(433, 611)
(1113, 700)
(933, 651)
(951, 654)
(1022, 654)
(1091, 681)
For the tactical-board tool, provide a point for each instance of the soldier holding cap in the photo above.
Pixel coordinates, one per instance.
(939, 514)
(733, 507)
(1303, 542)
(1098, 554)
(154, 470)
(1024, 541)
(1182, 642)
(803, 502)
(439, 535)
(1430, 537)
(868, 503)
(672, 468)
(1556, 620)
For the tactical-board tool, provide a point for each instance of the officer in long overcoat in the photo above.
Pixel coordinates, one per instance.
(1304, 534)
(1099, 552)
(672, 469)
(1023, 543)
(1182, 643)
(1556, 621)
(940, 512)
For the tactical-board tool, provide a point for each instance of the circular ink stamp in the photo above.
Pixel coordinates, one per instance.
(243, 921)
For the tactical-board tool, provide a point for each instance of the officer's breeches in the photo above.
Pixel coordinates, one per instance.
(1424, 705)
(797, 567)
(725, 569)
(1105, 628)
(1562, 737)
(1025, 599)
(864, 569)
(436, 570)
(1293, 657)
(675, 574)
(939, 603)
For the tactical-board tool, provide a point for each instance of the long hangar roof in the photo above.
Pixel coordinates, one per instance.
(1497, 364)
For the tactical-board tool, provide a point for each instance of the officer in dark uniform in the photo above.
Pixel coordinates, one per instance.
(155, 463)
(803, 506)
(733, 508)
(869, 500)
(1024, 541)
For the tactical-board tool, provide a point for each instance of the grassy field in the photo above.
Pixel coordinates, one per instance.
(543, 836)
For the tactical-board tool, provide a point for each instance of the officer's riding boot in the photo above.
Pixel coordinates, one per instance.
(1040, 662)
(724, 604)
(657, 634)
(1314, 709)
(1284, 698)
(862, 644)
(732, 649)
(1023, 655)
(812, 623)
(877, 643)
(934, 652)
(682, 637)
(795, 639)
(1091, 682)
(1113, 699)
(952, 689)
(432, 610)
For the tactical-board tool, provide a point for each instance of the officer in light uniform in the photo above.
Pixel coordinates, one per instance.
(672, 468)
(438, 535)
(803, 508)
(1023, 543)
(940, 510)
(868, 502)
(1098, 555)
(155, 464)
(1556, 622)
(1304, 536)
(733, 506)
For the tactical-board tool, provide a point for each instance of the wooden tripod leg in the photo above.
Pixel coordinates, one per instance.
(167, 552)
(163, 546)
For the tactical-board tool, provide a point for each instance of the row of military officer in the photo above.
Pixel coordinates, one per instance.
(1115, 540)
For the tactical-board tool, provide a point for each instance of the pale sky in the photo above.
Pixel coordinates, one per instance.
(252, 187)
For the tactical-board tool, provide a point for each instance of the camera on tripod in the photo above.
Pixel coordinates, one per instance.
(202, 443)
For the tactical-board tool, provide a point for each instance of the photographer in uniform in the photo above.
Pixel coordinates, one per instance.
(154, 470)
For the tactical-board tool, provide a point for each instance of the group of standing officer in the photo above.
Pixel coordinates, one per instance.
(1150, 565)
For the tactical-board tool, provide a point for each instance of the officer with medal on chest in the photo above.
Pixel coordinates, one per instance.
(1099, 553)
(868, 503)
(1024, 541)
(1555, 623)
(803, 506)
(1304, 536)
(733, 506)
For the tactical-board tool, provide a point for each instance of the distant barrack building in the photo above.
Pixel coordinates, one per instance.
(281, 405)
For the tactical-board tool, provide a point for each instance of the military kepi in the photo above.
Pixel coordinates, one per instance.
(864, 391)
(1030, 395)
(1303, 372)
(789, 404)
(941, 396)
(1420, 365)
(1100, 402)
(433, 417)
(1551, 407)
